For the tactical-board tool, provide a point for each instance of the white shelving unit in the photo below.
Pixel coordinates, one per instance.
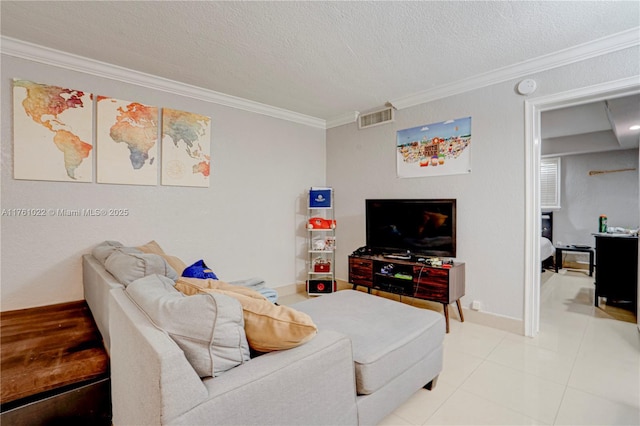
(321, 238)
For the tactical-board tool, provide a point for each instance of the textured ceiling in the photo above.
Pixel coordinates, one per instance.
(322, 59)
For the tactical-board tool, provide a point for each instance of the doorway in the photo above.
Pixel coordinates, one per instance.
(533, 109)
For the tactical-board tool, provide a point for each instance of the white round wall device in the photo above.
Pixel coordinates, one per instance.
(527, 87)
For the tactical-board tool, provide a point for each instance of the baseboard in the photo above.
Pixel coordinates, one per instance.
(288, 290)
(511, 325)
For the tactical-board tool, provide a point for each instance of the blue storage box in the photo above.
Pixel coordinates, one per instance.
(320, 197)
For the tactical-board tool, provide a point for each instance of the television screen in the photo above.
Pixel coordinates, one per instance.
(419, 227)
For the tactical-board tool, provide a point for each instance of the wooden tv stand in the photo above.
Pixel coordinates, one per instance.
(409, 278)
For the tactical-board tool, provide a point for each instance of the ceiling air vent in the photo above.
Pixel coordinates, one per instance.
(375, 118)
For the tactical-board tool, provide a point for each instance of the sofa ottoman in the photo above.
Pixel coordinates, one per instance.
(397, 348)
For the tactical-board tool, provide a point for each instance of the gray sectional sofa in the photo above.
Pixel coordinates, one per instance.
(368, 356)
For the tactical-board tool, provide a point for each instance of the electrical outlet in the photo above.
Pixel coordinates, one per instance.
(476, 305)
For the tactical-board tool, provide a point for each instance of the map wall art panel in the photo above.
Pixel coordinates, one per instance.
(52, 132)
(434, 149)
(127, 136)
(186, 140)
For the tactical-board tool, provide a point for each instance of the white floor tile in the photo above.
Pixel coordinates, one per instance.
(560, 320)
(394, 420)
(521, 392)
(603, 334)
(473, 339)
(424, 403)
(608, 377)
(554, 340)
(458, 366)
(541, 362)
(581, 408)
(464, 408)
(292, 299)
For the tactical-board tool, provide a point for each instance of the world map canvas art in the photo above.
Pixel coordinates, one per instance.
(55, 127)
(52, 132)
(127, 136)
(186, 159)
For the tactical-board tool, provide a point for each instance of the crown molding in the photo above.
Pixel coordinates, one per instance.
(33, 52)
(346, 118)
(602, 46)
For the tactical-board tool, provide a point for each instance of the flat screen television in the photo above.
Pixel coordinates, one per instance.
(420, 227)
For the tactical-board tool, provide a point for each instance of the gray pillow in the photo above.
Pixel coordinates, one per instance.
(127, 266)
(103, 250)
(209, 328)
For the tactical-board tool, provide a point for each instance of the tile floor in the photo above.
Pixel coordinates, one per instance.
(582, 369)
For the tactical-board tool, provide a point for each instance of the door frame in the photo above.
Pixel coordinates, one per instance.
(533, 108)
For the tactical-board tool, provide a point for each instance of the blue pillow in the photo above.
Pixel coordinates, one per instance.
(199, 270)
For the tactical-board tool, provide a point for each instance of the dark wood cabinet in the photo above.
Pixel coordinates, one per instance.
(617, 269)
(405, 277)
(439, 285)
(361, 272)
(54, 367)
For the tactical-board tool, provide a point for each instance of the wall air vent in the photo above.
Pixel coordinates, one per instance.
(375, 118)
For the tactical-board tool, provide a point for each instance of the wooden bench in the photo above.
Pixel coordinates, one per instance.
(53, 367)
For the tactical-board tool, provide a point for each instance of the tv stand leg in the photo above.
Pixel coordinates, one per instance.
(446, 314)
(355, 286)
(460, 310)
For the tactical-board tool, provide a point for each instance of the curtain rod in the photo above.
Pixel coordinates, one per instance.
(601, 172)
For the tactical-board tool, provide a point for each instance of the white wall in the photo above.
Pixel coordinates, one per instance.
(247, 223)
(491, 216)
(584, 198)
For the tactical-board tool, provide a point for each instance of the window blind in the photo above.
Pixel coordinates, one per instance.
(550, 183)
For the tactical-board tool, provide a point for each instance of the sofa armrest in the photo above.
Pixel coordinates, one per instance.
(97, 283)
(151, 379)
(312, 384)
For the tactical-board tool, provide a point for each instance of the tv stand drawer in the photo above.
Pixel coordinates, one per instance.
(431, 277)
(358, 262)
(361, 271)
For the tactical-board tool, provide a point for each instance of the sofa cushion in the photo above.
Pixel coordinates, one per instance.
(269, 327)
(153, 247)
(387, 336)
(105, 249)
(209, 328)
(128, 266)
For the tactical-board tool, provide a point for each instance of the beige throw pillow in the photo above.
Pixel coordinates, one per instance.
(268, 327)
(175, 262)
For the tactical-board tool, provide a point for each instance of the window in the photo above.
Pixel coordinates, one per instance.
(550, 183)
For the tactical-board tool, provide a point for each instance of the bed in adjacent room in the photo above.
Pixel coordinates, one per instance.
(547, 250)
